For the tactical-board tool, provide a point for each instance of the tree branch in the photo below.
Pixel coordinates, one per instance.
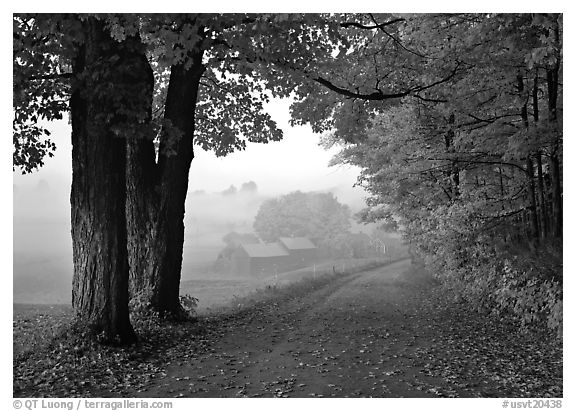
(375, 96)
(374, 27)
(380, 95)
(395, 40)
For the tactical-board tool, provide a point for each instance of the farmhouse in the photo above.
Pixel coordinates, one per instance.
(264, 260)
(259, 259)
(301, 249)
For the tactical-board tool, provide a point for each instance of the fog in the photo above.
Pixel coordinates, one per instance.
(43, 246)
(42, 267)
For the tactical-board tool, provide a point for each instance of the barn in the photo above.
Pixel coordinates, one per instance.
(301, 249)
(260, 260)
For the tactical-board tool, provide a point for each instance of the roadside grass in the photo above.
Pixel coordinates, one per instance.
(296, 283)
(217, 292)
(52, 359)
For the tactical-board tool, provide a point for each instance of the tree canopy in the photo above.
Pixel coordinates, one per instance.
(318, 216)
(470, 169)
(142, 91)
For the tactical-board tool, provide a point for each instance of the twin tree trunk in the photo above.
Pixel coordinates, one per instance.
(127, 209)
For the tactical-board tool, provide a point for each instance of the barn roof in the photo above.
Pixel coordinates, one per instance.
(264, 250)
(297, 243)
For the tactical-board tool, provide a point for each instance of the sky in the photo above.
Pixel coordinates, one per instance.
(296, 162)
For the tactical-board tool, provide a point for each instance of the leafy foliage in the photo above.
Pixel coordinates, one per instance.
(526, 287)
(40, 88)
(246, 60)
(318, 216)
(460, 147)
(189, 304)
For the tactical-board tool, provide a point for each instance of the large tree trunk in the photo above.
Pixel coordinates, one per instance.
(533, 231)
(534, 227)
(141, 210)
(553, 83)
(142, 198)
(157, 194)
(453, 172)
(542, 196)
(98, 195)
(540, 174)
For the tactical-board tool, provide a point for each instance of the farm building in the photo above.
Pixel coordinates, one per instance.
(268, 259)
(259, 259)
(301, 249)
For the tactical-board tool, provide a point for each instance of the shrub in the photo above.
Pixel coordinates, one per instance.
(189, 304)
(526, 286)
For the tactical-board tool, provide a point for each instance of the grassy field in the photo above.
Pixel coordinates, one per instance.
(216, 292)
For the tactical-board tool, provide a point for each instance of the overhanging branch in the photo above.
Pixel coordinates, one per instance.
(380, 95)
(374, 27)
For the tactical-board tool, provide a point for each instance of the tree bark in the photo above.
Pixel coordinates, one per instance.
(157, 194)
(98, 195)
(454, 171)
(556, 193)
(533, 230)
(542, 195)
(141, 196)
(540, 175)
(534, 227)
(141, 209)
(552, 83)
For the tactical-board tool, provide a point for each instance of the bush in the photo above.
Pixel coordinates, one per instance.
(189, 304)
(524, 286)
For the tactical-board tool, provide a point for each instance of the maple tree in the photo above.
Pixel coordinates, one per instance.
(142, 90)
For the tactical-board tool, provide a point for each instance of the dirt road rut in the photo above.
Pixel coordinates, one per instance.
(353, 337)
